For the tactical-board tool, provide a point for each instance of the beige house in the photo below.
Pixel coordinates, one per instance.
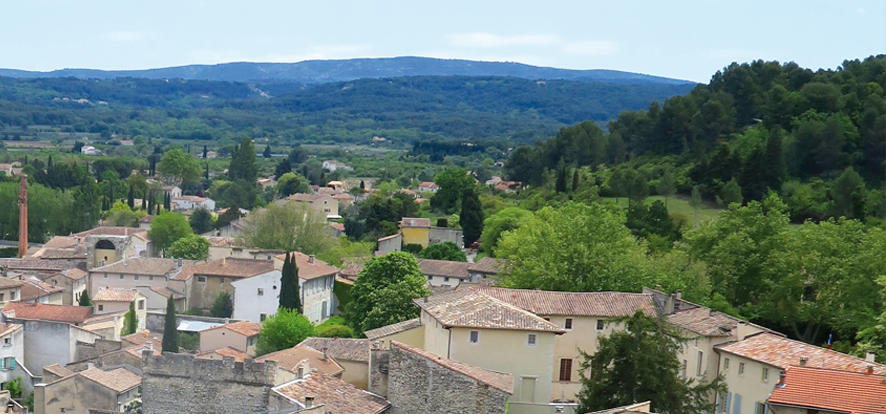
(221, 353)
(753, 366)
(242, 336)
(351, 354)
(444, 272)
(10, 290)
(474, 328)
(323, 204)
(34, 290)
(583, 316)
(302, 359)
(92, 390)
(71, 281)
(316, 280)
(409, 332)
(133, 273)
(117, 300)
(204, 281)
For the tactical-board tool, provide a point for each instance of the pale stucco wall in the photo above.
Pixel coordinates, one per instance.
(412, 337)
(436, 337)
(749, 385)
(317, 294)
(212, 339)
(415, 236)
(442, 281)
(248, 304)
(11, 294)
(356, 373)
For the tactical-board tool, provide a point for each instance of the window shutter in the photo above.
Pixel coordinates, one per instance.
(11, 363)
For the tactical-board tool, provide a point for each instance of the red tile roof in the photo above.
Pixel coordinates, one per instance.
(444, 268)
(498, 380)
(336, 395)
(111, 231)
(840, 391)
(341, 348)
(119, 380)
(33, 289)
(546, 302)
(153, 266)
(109, 294)
(488, 265)
(43, 312)
(228, 267)
(391, 329)
(415, 222)
(238, 355)
(244, 328)
(704, 321)
(782, 352)
(468, 308)
(310, 267)
(291, 358)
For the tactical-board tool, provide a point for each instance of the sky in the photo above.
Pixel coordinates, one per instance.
(680, 39)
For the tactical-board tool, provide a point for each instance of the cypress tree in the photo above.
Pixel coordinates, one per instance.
(204, 152)
(130, 199)
(293, 271)
(167, 202)
(170, 331)
(49, 163)
(575, 180)
(471, 216)
(284, 282)
(289, 295)
(206, 171)
(144, 202)
(560, 184)
(84, 299)
(267, 151)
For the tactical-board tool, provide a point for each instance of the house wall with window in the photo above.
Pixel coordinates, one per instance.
(12, 355)
(10, 294)
(99, 280)
(141, 309)
(212, 339)
(256, 298)
(749, 382)
(204, 289)
(317, 298)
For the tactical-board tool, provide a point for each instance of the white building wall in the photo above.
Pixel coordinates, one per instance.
(317, 302)
(249, 305)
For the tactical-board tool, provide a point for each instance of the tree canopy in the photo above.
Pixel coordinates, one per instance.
(384, 291)
(167, 228)
(192, 247)
(282, 330)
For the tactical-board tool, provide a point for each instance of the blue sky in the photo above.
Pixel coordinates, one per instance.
(681, 39)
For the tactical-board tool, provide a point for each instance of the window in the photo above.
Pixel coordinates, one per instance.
(759, 408)
(201, 279)
(600, 324)
(7, 341)
(2, 297)
(765, 374)
(726, 364)
(121, 276)
(566, 369)
(547, 319)
(262, 317)
(221, 281)
(430, 277)
(568, 324)
(136, 277)
(700, 362)
(150, 277)
(261, 291)
(741, 368)
(683, 368)
(101, 307)
(12, 295)
(475, 337)
(141, 305)
(530, 340)
(446, 279)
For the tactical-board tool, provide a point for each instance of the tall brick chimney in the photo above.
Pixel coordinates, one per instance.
(23, 217)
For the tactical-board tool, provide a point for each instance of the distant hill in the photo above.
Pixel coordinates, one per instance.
(322, 71)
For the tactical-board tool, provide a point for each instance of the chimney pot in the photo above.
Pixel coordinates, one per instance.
(309, 401)
(870, 357)
(870, 369)
(803, 361)
(301, 372)
(311, 259)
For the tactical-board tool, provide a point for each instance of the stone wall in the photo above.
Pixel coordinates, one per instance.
(84, 351)
(180, 383)
(379, 360)
(419, 385)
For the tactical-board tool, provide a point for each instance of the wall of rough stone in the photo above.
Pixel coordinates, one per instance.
(419, 385)
(84, 351)
(180, 383)
(379, 357)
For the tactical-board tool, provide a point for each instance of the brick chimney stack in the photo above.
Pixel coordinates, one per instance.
(23, 217)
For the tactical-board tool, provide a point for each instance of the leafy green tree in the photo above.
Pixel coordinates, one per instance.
(452, 182)
(640, 364)
(84, 299)
(575, 247)
(290, 297)
(192, 247)
(222, 306)
(200, 221)
(334, 331)
(287, 226)
(170, 327)
(384, 291)
(413, 248)
(179, 167)
(849, 194)
(731, 193)
(121, 215)
(14, 387)
(242, 165)
(498, 223)
(283, 167)
(695, 200)
(130, 321)
(444, 251)
(873, 338)
(667, 184)
(291, 183)
(471, 216)
(285, 329)
(168, 227)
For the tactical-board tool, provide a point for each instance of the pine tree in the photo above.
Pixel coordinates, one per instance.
(167, 202)
(267, 151)
(170, 329)
(560, 184)
(575, 180)
(204, 152)
(206, 171)
(471, 216)
(130, 199)
(84, 299)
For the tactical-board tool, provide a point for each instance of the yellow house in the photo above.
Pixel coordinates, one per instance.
(476, 329)
(416, 231)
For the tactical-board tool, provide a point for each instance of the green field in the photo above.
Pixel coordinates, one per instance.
(680, 206)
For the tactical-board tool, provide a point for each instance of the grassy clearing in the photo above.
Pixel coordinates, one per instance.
(678, 205)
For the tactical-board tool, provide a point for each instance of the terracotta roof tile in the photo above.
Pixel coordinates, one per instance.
(217, 241)
(782, 352)
(415, 222)
(7, 328)
(348, 349)
(244, 328)
(119, 380)
(336, 395)
(231, 267)
(469, 308)
(33, 289)
(109, 294)
(351, 270)
(305, 197)
(140, 338)
(111, 231)
(498, 380)
(444, 268)
(7, 283)
(488, 265)
(73, 274)
(227, 351)
(546, 302)
(704, 321)
(58, 370)
(35, 264)
(166, 292)
(310, 268)
(43, 312)
(290, 359)
(388, 330)
(837, 391)
(153, 266)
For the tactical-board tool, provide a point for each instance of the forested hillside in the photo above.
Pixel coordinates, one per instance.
(817, 138)
(402, 109)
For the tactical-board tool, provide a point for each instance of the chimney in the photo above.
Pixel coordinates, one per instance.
(301, 372)
(325, 356)
(803, 361)
(309, 401)
(870, 357)
(224, 260)
(780, 383)
(23, 217)
(870, 369)
(311, 259)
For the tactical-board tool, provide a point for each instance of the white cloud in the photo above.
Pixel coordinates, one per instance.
(489, 40)
(591, 47)
(126, 36)
(861, 11)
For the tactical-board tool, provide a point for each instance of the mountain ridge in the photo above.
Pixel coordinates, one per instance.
(311, 72)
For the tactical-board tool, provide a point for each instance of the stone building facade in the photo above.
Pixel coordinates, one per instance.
(180, 383)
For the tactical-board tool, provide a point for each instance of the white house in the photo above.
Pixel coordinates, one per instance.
(255, 298)
(428, 187)
(192, 202)
(332, 165)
